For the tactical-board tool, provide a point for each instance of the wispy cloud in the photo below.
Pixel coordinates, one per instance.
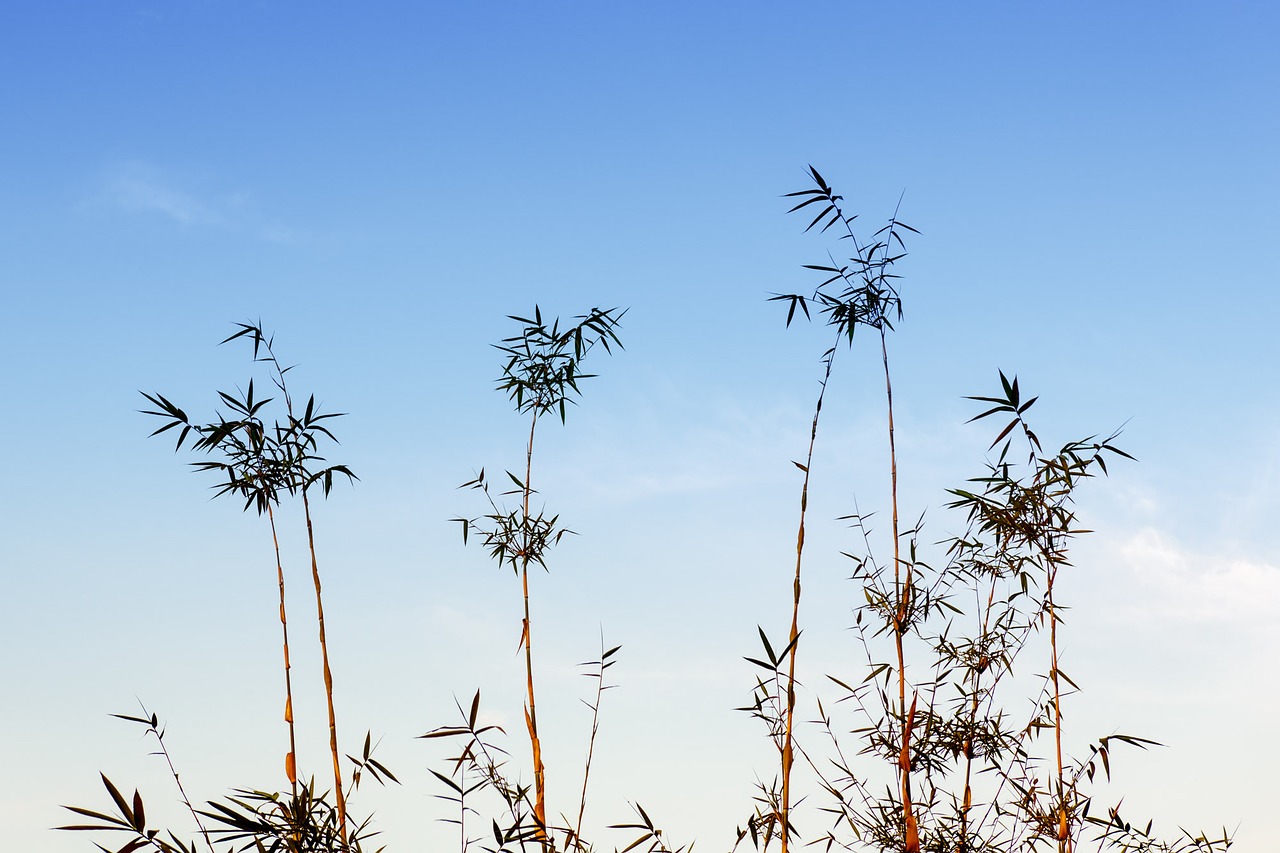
(142, 188)
(1200, 587)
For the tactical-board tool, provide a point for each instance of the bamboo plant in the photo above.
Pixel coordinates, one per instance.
(262, 462)
(247, 820)
(859, 294)
(927, 746)
(540, 377)
(938, 760)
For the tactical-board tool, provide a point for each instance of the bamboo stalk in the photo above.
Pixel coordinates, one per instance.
(531, 712)
(339, 795)
(291, 760)
(903, 586)
(788, 754)
(1064, 824)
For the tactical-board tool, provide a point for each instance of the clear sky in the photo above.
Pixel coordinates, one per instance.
(381, 184)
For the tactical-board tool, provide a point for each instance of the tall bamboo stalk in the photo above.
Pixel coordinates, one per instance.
(291, 760)
(1064, 822)
(788, 754)
(340, 798)
(867, 299)
(531, 711)
(339, 795)
(302, 442)
(541, 375)
(902, 581)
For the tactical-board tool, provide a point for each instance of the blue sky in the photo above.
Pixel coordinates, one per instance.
(1095, 185)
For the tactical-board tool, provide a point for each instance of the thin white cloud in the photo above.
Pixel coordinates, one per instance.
(139, 188)
(142, 188)
(1201, 587)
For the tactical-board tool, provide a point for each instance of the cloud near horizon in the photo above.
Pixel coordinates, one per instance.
(1201, 587)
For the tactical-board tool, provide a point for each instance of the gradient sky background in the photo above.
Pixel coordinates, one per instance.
(381, 184)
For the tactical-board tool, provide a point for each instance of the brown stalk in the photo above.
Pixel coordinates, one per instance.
(531, 712)
(1064, 827)
(291, 760)
(911, 832)
(788, 754)
(903, 586)
(340, 796)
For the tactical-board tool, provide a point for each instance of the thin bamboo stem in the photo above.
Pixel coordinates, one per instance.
(967, 803)
(291, 760)
(1064, 825)
(340, 797)
(531, 712)
(339, 794)
(576, 838)
(903, 586)
(788, 753)
(154, 728)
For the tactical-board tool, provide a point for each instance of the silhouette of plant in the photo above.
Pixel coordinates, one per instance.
(927, 746)
(300, 822)
(860, 293)
(540, 376)
(939, 761)
(261, 462)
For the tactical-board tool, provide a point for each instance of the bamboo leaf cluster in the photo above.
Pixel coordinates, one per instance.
(540, 376)
(926, 747)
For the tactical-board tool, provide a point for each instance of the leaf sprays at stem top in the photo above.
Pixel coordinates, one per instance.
(859, 292)
(261, 462)
(540, 376)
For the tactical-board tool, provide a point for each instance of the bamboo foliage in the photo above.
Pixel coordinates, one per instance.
(859, 293)
(540, 377)
(920, 743)
(261, 462)
(256, 467)
(932, 756)
(301, 435)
